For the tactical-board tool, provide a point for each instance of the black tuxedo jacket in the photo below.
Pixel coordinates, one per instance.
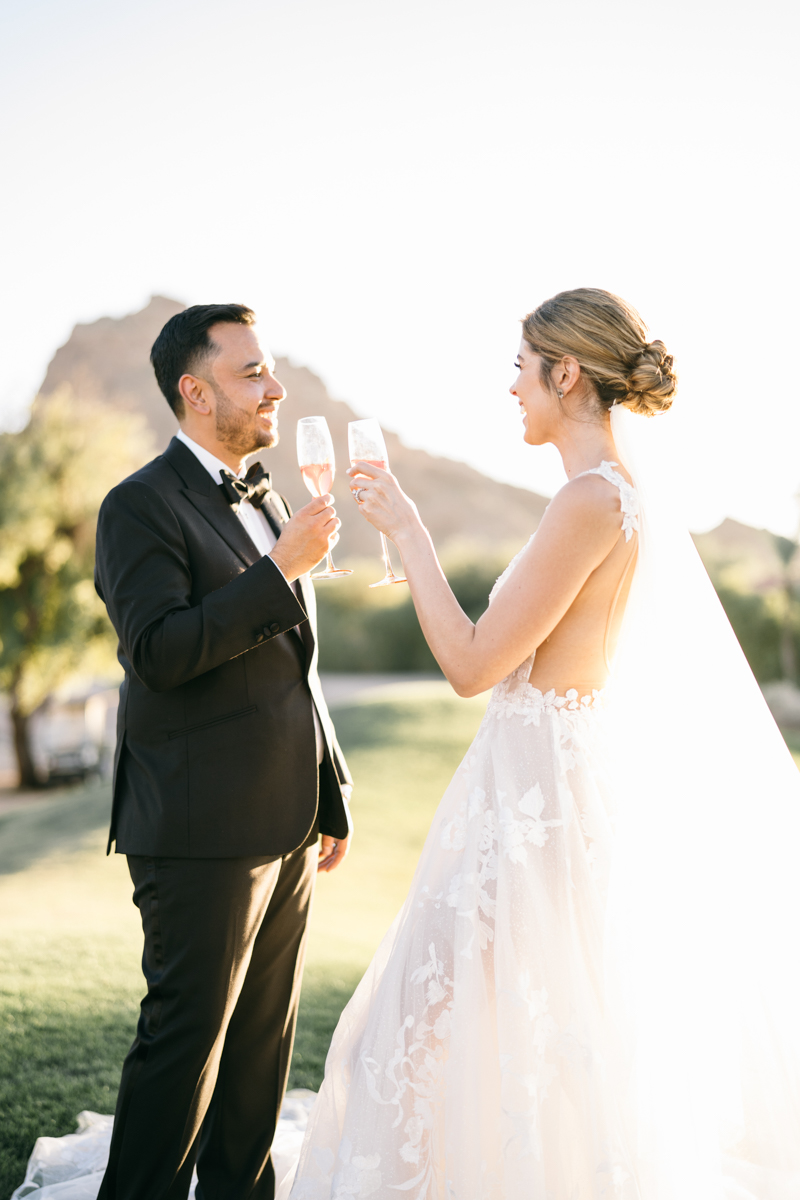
(216, 750)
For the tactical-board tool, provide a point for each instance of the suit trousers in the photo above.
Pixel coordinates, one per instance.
(224, 941)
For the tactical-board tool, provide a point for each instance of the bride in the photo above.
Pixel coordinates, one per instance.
(592, 988)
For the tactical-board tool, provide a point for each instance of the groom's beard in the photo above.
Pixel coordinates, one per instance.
(240, 432)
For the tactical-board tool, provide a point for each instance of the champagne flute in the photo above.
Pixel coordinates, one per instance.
(318, 466)
(366, 444)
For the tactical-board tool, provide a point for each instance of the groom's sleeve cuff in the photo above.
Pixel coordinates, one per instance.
(272, 601)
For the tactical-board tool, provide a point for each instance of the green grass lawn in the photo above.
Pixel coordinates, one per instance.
(70, 939)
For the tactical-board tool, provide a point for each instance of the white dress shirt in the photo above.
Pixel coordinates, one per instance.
(258, 529)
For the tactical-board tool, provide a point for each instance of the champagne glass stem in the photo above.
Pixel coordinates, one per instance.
(390, 576)
(387, 562)
(331, 571)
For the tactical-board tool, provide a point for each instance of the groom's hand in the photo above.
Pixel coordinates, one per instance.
(306, 538)
(332, 852)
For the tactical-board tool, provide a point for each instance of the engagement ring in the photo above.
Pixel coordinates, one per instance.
(357, 493)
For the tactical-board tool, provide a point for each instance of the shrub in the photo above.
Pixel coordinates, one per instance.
(364, 630)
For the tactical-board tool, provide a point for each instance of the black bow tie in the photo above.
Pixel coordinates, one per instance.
(253, 487)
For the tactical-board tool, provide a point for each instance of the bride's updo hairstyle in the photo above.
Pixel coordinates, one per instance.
(609, 340)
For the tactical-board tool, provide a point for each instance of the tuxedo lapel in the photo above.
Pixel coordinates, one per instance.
(220, 515)
(271, 508)
(304, 586)
(206, 496)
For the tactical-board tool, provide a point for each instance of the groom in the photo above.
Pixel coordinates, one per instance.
(227, 767)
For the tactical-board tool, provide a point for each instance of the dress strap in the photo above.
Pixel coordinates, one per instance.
(628, 499)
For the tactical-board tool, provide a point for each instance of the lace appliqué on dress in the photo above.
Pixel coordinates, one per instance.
(628, 499)
(515, 697)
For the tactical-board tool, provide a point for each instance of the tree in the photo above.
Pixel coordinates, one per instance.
(53, 477)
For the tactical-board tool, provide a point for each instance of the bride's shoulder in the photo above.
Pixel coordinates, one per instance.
(590, 501)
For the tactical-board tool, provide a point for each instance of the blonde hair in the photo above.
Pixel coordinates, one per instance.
(609, 340)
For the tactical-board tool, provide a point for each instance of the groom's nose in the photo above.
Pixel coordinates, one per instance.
(274, 389)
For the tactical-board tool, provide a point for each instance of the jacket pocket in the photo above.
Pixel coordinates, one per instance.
(240, 712)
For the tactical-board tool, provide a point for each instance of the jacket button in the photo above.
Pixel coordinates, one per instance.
(274, 627)
(259, 637)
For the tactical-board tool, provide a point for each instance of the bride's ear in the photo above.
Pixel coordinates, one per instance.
(565, 375)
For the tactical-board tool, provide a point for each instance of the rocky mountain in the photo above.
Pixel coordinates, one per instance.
(744, 558)
(108, 361)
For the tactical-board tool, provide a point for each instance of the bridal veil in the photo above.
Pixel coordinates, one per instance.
(703, 938)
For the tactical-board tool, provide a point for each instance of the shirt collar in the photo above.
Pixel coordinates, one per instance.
(210, 461)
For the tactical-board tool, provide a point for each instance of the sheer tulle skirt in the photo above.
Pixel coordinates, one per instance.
(479, 1056)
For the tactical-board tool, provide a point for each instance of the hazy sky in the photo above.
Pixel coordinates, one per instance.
(392, 186)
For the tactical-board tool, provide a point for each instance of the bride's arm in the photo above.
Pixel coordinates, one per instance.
(578, 531)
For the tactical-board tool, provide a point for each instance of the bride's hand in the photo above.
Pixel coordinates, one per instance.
(382, 501)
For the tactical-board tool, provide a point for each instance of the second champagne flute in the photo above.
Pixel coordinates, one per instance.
(318, 467)
(365, 440)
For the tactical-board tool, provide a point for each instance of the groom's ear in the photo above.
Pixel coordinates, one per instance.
(195, 394)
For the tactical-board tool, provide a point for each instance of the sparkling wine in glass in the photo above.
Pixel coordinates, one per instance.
(318, 467)
(365, 440)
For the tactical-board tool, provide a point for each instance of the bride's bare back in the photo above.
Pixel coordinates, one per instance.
(579, 652)
(559, 605)
(561, 599)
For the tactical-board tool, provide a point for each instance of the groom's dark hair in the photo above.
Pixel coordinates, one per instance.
(183, 346)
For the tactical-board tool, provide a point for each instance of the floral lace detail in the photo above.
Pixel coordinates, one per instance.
(358, 1175)
(500, 827)
(515, 697)
(497, 827)
(501, 838)
(628, 498)
(415, 1073)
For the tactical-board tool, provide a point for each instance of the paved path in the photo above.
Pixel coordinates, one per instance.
(342, 689)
